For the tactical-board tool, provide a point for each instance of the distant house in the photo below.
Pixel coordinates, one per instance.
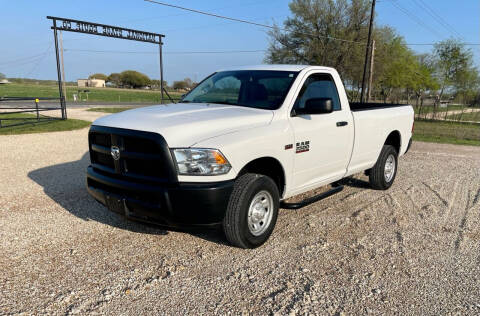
(95, 83)
(4, 81)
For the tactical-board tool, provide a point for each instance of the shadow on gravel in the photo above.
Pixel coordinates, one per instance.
(65, 184)
(355, 183)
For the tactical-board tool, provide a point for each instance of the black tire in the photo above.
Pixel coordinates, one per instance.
(377, 173)
(235, 223)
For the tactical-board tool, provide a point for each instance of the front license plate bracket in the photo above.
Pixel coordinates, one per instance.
(115, 204)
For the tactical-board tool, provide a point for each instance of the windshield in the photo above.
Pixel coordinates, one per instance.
(261, 89)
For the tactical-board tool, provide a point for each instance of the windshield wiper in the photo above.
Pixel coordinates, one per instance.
(226, 102)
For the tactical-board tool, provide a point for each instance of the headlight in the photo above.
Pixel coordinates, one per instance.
(200, 162)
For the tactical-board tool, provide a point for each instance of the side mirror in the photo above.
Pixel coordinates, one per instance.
(315, 106)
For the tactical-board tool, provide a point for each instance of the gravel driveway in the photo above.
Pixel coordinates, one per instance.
(414, 249)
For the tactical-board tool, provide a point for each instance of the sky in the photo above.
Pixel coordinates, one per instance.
(27, 49)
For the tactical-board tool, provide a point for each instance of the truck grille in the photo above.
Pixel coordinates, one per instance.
(144, 157)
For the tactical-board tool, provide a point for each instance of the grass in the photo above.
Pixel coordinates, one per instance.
(38, 127)
(466, 116)
(447, 132)
(95, 94)
(108, 110)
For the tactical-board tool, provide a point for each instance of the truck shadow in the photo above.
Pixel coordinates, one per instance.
(65, 184)
(355, 183)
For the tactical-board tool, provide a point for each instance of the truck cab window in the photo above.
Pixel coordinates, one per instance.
(318, 86)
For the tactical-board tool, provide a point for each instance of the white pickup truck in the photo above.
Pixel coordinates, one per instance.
(237, 145)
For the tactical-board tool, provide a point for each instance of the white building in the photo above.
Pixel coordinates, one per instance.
(95, 83)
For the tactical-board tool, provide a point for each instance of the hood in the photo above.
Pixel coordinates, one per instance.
(185, 124)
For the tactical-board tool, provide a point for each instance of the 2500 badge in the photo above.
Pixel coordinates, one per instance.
(302, 147)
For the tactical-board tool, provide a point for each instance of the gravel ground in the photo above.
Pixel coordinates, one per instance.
(413, 249)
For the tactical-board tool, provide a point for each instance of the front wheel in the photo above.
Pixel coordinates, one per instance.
(385, 169)
(252, 211)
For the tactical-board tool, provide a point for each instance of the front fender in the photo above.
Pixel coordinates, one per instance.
(244, 146)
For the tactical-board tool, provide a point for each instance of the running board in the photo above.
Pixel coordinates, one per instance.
(313, 199)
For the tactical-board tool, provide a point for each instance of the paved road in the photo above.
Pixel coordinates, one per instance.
(414, 249)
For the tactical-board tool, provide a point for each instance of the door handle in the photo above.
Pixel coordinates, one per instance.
(342, 123)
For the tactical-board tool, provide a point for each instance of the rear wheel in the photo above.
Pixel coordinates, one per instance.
(383, 173)
(252, 211)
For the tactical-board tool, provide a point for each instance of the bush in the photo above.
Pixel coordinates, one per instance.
(155, 84)
(185, 84)
(98, 76)
(180, 85)
(115, 79)
(134, 79)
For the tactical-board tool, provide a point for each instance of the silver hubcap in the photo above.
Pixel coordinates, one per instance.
(389, 168)
(260, 213)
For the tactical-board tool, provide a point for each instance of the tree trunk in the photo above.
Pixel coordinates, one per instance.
(436, 103)
(421, 107)
(417, 101)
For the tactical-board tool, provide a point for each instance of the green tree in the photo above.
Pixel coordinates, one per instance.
(2, 76)
(155, 84)
(454, 67)
(134, 79)
(115, 79)
(308, 36)
(423, 79)
(398, 67)
(182, 85)
(188, 82)
(98, 76)
(467, 84)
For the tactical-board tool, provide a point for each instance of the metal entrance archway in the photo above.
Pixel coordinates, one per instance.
(70, 25)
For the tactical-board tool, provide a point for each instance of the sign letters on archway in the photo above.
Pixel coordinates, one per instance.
(69, 25)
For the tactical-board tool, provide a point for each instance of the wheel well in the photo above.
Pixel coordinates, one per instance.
(269, 167)
(394, 139)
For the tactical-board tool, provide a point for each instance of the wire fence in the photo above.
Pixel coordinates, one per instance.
(449, 112)
(448, 123)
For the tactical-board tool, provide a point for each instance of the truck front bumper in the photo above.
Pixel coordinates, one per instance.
(170, 204)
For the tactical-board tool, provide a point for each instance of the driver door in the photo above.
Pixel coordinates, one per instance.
(323, 142)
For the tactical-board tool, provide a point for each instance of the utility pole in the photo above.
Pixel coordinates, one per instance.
(63, 68)
(370, 73)
(369, 39)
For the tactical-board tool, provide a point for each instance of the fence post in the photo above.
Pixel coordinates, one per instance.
(64, 112)
(36, 107)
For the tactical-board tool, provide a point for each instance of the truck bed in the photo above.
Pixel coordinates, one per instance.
(359, 106)
(372, 129)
